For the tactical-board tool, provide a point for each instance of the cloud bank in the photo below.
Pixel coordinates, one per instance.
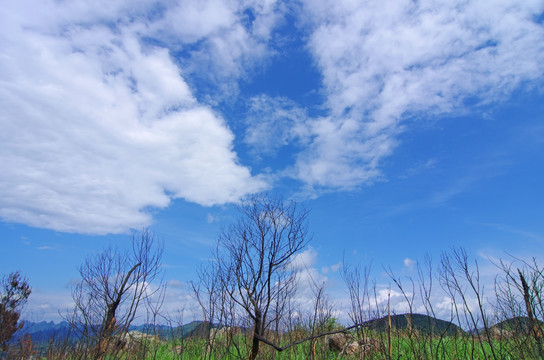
(109, 108)
(100, 126)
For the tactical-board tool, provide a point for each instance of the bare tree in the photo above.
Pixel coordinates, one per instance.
(113, 285)
(320, 319)
(460, 280)
(213, 303)
(253, 257)
(519, 297)
(15, 292)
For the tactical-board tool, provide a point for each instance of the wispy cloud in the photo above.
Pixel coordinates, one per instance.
(420, 168)
(46, 247)
(210, 219)
(47, 305)
(227, 40)
(332, 268)
(383, 62)
(409, 264)
(515, 231)
(273, 123)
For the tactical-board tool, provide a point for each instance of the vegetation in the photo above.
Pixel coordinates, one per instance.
(252, 264)
(247, 296)
(113, 286)
(15, 291)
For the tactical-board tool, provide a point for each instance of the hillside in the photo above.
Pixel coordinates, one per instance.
(519, 324)
(421, 323)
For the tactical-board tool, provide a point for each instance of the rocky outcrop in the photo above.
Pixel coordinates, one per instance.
(500, 334)
(133, 340)
(346, 344)
(337, 342)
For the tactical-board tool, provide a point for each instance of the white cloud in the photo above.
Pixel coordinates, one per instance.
(385, 60)
(272, 123)
(333, 268)
(339, 157)
(97, 129)
(309, 278)
(101, 122)
(229, 38)
(175, 284)
(445, 306)
(47, 306)
(409, 264)
(190, 21)
(210, 219)
(178, 304)
(304, 260)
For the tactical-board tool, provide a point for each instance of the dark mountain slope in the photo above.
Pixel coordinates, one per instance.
(421, 323)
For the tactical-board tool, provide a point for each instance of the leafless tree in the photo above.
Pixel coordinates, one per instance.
(320, 319)
(520, 295)
(113, 285)
(364, 305)
(460, 280)
(15, 291)
(253, 257)
(213, 302)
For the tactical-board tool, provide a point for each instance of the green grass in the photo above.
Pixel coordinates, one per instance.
(404, 345)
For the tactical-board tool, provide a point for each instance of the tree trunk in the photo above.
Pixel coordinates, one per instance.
(104, 339)
(534, 327)
(256, 341)
(110, 322)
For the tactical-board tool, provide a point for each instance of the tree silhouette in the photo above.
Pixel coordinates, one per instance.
(15, 292)
(253, 257)
(113, 285)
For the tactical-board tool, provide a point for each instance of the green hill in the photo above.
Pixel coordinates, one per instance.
(520, 324)
(421, 323)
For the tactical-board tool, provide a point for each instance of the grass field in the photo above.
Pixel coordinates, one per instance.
(402, 345)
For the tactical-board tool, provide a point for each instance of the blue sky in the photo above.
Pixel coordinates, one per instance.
(406, 127)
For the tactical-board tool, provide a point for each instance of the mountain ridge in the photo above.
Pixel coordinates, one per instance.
(44, 331)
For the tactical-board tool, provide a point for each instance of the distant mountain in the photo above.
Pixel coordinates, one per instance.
(421, 323)
(168, 332)
(29, 326)
(45, 331)
(519, 324)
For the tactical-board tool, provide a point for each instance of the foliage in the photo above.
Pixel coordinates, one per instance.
(15, 292)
